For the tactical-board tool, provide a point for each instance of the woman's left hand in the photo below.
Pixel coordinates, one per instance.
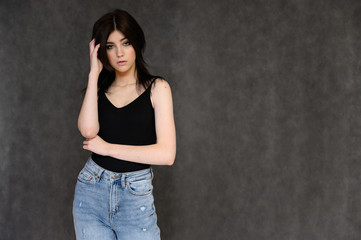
(96, 145)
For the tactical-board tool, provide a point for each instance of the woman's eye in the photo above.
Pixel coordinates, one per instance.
(109, 47)
(126, 43)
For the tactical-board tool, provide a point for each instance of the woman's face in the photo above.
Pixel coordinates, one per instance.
(120, 52)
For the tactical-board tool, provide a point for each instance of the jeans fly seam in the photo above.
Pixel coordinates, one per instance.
(110, 203)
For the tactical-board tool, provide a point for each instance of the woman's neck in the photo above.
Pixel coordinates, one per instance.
(125, 78)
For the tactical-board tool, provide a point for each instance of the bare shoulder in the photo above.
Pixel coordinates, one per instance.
(160, 92)
(160, 83)
(160, 86)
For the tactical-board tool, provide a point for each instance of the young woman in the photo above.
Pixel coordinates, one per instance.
(127, 120)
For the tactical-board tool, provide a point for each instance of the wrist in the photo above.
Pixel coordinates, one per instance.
(108, 149)
(94, 74)
(93, 78)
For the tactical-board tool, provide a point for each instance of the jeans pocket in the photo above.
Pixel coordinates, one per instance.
(140, 187)
(86, 176)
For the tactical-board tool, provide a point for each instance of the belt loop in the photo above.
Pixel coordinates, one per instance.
(123, 180)
(99, 174)
(151, 171)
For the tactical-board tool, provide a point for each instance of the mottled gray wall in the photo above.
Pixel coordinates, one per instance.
(267, 101)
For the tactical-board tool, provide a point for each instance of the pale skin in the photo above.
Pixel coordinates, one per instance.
(123, 91)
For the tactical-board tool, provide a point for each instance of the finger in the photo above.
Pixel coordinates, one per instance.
(94, 51)
(91, 45)
(96, 48)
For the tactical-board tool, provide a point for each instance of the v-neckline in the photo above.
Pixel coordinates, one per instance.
(128, 103)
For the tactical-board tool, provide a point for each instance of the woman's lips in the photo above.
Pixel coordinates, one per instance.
(121, 62)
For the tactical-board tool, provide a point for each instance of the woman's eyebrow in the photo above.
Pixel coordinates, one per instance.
(120, 40)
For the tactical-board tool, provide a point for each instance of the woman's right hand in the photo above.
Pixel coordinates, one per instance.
(95, 64)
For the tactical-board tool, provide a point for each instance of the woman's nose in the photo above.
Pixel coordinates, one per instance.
(120, 52)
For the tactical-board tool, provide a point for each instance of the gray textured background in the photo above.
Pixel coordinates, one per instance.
(267, 101)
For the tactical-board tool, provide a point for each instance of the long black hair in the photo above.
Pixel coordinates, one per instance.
(122, 21)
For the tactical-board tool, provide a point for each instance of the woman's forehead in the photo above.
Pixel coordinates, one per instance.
(116, 35)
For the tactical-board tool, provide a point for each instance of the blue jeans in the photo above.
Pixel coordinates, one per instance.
(110, 205)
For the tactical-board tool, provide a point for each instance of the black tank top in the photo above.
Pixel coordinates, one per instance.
(133, 124)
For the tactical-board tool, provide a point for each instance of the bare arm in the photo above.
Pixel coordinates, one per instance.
(161, 153)
(88, 123)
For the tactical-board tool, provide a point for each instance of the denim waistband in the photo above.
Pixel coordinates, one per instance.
(107, 174)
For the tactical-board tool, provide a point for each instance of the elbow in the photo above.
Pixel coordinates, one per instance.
(170, 159)
(89, 133)
(170, 162)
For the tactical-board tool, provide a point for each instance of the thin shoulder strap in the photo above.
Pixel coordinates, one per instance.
(150, 85)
